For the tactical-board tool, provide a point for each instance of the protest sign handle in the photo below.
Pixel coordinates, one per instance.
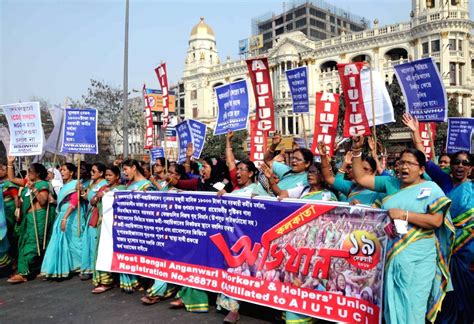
(164, 150)
(78, 195)
(35, 225)
(430, 135)
(59, 136)
(304, 131)
(374, 131)
(46, 226)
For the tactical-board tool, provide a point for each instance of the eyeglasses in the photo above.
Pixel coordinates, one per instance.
(408, 164)
(242, 169)
(297, 159)
(463, 162)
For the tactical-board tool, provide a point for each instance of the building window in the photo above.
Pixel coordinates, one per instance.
(282, 64)
(317, 23)
(425, 48)
(317, 13)
(317, 34)
(332, 19)
(435, 46)
(267, 36)
(193, 94)
(430, 3)
(288, 65)
(195, 112)
(300, 23)
(290, 125)
(454, 2)
(452, 44)
(452, 73)
(283, 94)
(279, 21)
(289, 26)
(459, 45)
(461, 68)
(300, 12)
(283, 125)
(333, 29)
(279, 31)
(289, 16)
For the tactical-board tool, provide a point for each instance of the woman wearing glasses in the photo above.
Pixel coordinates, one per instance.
(459, 304)
(34, 201)
(416, 272)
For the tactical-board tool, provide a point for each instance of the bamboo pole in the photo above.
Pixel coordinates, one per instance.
(374, 130)
(59, 136)
(430, 135)
(304, 132)
(78, 195)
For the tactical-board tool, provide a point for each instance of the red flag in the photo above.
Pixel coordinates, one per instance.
(163, 79)
(262, 88)
(425, 138)
(355, 120)
(325, 121)
(258, 143)
(148, 121)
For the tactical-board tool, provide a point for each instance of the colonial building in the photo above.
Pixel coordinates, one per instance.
(437, 29)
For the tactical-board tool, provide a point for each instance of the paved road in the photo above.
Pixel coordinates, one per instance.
(71, 301)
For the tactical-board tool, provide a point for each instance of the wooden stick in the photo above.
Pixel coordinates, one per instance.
(46, 226)
(59, 136)
(34, 223)
(79, 195)
(374, 131)
(304, 132)
(164, 150)
(430, 135)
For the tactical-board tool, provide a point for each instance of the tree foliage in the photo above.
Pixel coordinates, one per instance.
(215, 145)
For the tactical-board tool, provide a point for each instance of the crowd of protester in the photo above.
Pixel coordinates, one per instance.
(53, 220)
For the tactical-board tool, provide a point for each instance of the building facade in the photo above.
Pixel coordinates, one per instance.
(437, 29)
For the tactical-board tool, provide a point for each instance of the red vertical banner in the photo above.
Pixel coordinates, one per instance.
(425, 138)
(325, 121)
(163, 79)
(262, 89)
(258, 143)
(148, 121)
(355, 119)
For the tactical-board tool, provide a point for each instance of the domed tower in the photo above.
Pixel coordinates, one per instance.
(202, 51)
(441, 29)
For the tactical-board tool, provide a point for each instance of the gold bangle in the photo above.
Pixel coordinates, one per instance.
(340, 170)
(358, 155)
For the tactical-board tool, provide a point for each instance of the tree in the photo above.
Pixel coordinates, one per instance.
(215, 145)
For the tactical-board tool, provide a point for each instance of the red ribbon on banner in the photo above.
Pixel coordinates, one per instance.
(325, 121)
(355, 120)
(262, 89)
(258, 143)
(425, 138)
(148, 121)
(163, 79)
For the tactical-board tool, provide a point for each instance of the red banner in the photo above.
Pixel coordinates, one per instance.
(148, 121)
(258, 143)
(355, 120)
(425, 137)
(163, 79)
(262, 89)
(325, 121)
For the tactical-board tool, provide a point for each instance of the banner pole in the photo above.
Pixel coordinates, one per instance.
(78, 195)
(374, 131)
(35, 225)
(164, 150)
(304, 132)
(430, 135)
(59, 136)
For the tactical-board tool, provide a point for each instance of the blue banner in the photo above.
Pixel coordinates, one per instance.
(184, 137)
(243, 46)
(423, 89)
(460, 131)
(80, 131)
(233, 104)
(298, 83)
(157, 152)
(290, 255)
(198, 131)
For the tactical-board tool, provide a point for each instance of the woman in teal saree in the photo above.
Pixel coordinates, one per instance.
(417, 261)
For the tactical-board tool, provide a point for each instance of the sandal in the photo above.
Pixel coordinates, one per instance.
(15, 279)
(232, 317)
(176, 304)
(101, 289)
(150, 300)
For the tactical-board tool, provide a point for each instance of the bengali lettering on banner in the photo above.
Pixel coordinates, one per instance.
(460, 131)
(80, 131)
(163, 79)
(149, 129)
(26, 130)
(190, 131)
(262, 89)
(258, 143)
(423, 89)
(184, 138)
(198, 131)
(355, 119)
(325, 121)
(298, 83)
(233, 104)
(424, 130)
(321, 259)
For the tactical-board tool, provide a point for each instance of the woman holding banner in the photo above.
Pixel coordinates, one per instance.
(103, 280)
(63, 255)
(89, 236)
(458, 305)
(136, 182)
(34, 201)
(416, 272)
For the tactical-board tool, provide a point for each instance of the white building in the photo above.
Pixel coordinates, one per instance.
(438, 29)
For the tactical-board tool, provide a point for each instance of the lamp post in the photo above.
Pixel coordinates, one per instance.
(125, 86)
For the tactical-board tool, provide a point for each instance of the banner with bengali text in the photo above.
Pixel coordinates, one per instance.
(321, 259)
(460, 131)
(298, 84)
(233, 107)
(80, 131)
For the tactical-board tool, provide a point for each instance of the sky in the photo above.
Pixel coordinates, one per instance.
(52, 48)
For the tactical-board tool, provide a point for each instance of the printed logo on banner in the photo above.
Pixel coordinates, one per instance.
(355, 119)
(298, 83)
(460, 132)
(26, 130)
(80, 131)
(325, 121)
(302, 263)
(233, 105)
(423, 89)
